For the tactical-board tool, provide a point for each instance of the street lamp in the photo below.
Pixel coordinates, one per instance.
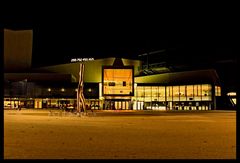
(49, 93)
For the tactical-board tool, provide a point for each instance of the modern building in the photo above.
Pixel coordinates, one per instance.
(109, 83)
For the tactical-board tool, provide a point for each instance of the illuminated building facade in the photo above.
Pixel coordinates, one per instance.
(114, 87)
(109, 84)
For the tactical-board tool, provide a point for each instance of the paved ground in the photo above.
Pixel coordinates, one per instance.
(34, 134)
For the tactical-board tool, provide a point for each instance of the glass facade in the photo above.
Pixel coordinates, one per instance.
(178, 97)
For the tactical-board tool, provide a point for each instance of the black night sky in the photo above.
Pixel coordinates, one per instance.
(57, 41)
(64, 30)
(196, 40)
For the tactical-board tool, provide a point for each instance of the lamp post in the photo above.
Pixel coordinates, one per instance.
(49, 96)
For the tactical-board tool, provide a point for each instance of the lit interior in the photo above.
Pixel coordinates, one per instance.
(118, 81)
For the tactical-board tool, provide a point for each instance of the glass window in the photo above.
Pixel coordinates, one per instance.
(182, 93)
(127, 105)
(148, 94)
(140, 91)
(189, 90)
(169, 93)
(155, 93)
(206, 89)
(175, 93)
(206, 92)
(161, 93)
(217, 91)
(197, 92)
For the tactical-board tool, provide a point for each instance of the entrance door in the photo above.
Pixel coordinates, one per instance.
(110, 105)
(118, 105)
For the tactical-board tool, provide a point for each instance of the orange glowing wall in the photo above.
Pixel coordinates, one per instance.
(118, 82)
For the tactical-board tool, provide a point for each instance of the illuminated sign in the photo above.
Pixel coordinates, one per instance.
(81, 59)
(118, 81)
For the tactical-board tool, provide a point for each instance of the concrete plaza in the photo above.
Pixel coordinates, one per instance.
(37, 134)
